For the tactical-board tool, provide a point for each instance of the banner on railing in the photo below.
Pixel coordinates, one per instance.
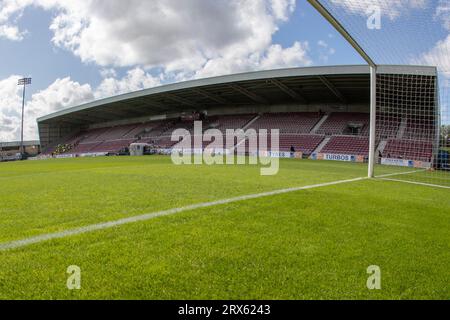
(405, 163)
(339, 157)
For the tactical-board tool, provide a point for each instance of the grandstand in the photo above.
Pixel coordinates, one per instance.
(318, 110)
(9, 150)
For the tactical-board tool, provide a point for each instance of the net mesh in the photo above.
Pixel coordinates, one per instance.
(413, 116)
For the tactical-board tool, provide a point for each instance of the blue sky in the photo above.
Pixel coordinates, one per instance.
(77, 51)
(35, 56)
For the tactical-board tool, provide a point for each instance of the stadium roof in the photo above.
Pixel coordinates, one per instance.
(331, 84)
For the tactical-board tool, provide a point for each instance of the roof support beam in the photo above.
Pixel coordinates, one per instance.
(178, 99)
(333, 89)
(140, 110)
(149, 104)
(102, 116)
(69, 121)
(293, 94)
(249, 94)
(211, 96)
(90, 117)
(116, 112)
(77, 119)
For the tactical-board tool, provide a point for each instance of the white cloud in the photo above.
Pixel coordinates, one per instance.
(108, 73)
(274, 57)
(9, 108)
(279, 57)
(438, 56)
(176, 35)
(11, 33)
(136, 79)
(282, 8)
(61, 94)
(10, 12)
(443, 13)
(180, 37)
(183, 39)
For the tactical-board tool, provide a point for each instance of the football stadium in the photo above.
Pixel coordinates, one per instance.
(144, 228)
(321, 112)
(358, 207)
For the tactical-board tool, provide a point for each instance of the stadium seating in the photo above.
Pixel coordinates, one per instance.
(141, 129)
(155, 128)
(225, 122)
(85, 147)
(305, 143)
(339, 123)
(301, 122)
(93, 135)
(405, 138)
(160, 142)
(419, 130)
(166, 128)
(388, 126)
(349, 145)
(409, 150)
(115, 133)
(112, 146)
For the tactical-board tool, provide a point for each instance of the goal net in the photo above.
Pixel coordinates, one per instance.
(408, 42)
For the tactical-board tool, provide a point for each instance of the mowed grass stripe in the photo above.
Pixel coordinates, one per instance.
(313, 244)
(74, 193)
(116, 223)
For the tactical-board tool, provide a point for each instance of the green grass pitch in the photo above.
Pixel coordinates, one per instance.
(309, 244)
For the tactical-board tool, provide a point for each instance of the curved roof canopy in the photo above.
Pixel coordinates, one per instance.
(332, 84)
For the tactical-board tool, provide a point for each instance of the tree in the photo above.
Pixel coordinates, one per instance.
(445, 135)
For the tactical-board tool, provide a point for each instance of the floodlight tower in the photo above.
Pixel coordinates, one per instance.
(23, 82)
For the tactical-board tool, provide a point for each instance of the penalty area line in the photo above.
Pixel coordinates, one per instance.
(416, 183)
(399, 174)
(145, 217)
(388, 177)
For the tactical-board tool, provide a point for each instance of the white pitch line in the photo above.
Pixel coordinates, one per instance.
(106, 225)
(399, 173)
(417, 183)
(386, 178)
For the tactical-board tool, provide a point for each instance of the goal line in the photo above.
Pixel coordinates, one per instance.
(417, 183)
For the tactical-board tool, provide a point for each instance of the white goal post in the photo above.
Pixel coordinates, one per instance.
(373, 120)
(406, 45)
(373, 79)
